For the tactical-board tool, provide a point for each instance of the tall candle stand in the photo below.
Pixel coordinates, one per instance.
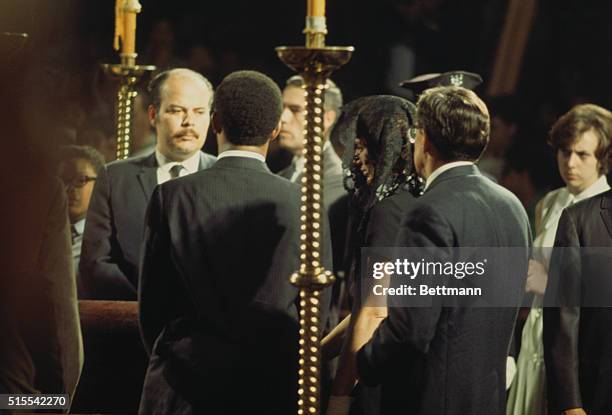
(315, 63)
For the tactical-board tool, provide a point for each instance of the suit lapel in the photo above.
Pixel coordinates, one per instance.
(606, 211)
(148, 175)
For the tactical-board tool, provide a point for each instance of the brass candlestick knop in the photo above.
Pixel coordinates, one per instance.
(314, 63)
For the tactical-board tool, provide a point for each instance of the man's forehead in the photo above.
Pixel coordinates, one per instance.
(293, 95)
(586, 141)
(184, 84)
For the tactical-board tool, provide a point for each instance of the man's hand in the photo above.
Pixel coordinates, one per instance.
(575, 411)
(338, 405)
(537, 277)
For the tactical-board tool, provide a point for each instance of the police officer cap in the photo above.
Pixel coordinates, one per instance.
(420, 83)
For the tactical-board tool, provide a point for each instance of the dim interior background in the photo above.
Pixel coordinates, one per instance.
(62, 95)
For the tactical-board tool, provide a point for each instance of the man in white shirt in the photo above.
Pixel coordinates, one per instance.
(180, 113)
(576, 334)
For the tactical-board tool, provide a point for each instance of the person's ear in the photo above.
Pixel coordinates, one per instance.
(216, 123)
(329, 117)
(152, 113)
(428, 147)
(275, 132)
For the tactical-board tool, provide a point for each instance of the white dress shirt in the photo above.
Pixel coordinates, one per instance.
(242, 153)
(552, 206)
(76, 230)
(164, 165)
(300, 161)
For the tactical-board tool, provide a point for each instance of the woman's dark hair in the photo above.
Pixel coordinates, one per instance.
(384, 123)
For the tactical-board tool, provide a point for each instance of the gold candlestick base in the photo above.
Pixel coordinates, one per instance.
(129, 75)
(315, 65)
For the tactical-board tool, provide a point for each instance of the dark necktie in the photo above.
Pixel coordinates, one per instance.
(175, 171)
(73, 233)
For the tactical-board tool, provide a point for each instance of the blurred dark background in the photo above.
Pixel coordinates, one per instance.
(64, 97)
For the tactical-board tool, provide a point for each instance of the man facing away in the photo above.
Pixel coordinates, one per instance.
(218, 314)
(180, 114)
(449, 360)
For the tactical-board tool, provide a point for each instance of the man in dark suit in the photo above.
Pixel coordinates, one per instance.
(335, 196)
(112, 240)
(291, 137)
(578, 317)
(449, 360)
(217, 311)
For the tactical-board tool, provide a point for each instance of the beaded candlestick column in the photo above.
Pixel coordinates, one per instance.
(315, 63)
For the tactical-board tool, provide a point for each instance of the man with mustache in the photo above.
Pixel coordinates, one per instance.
(218, 316)
(180, 113)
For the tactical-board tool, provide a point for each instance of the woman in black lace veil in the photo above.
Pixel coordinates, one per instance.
(374, 133)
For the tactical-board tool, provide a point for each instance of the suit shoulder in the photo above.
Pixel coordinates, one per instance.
(589, 206)
(284, 182)
(399, 201)
(128, 164)
(478, 192)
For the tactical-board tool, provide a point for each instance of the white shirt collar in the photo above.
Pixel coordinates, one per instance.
(79, 226)
(300, 161)
(241, 153)
(191, 164)
(599, 186)
(444, 168)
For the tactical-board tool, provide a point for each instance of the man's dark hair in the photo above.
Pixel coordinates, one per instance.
(579, 120)
(90, 154)
(455, 121)
(249, 106)
(155, 86)
(333, 95)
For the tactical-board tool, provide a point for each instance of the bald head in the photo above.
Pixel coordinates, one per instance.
(157, 85)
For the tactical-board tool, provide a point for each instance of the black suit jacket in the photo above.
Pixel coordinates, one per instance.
(113, 231)
(578, 339)
(215, 294)
(449, 360)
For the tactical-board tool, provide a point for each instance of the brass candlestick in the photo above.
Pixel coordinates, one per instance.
(314, 63)
(129, 75)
